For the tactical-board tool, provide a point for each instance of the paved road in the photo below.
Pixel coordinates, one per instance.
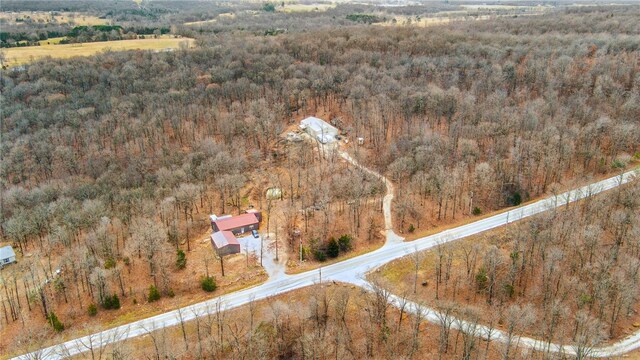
(353, 271)
(582, 351)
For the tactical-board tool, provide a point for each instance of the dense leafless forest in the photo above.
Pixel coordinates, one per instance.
(112, 163)
(568, 276)
(323, 321)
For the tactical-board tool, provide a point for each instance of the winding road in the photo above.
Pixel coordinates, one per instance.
(353, 271)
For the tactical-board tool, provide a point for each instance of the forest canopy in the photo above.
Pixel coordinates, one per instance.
(118, 158)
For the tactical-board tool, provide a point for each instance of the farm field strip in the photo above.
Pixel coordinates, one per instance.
(22, 55)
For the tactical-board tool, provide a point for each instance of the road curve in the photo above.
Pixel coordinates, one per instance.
(352, 270)
(621, 347)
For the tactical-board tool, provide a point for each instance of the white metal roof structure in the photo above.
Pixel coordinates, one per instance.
(6, 252)
(322, 131)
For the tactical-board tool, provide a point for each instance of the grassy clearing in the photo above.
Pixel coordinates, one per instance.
(431, 21)
(55, 18)
(410, 20)
(505, 7)
(470, 13)
(24, 55)
(203, 22)
(297, 8)
(52, 41)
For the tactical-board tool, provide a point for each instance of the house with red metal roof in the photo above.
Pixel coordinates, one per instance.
(226, 227)
(236, 224)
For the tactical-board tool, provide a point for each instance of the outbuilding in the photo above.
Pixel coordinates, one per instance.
(257, 213)
(7, 255)
(225, 243)
(319, 129)
(274, 193)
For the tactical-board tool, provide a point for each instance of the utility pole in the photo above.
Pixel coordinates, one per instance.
(268, 228)
(300, 250)
(276, 238)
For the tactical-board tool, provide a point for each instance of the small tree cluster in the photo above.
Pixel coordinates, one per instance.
(154, 294)
(181, 260)
(333, 248)
(208, 284)
(92, 310)
(269, 7)
(111, 302)
(55, 322)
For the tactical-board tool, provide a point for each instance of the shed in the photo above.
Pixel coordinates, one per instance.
(274, 194)
(257, 213)
(319, 129)
(236, 224)
(7, 255)
(224, 243)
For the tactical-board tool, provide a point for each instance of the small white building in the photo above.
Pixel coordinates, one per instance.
(319, 129)
(7, 255)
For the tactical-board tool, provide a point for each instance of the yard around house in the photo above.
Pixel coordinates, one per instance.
(336, 192)
(340, 199)
(17, 56)
(240, 273)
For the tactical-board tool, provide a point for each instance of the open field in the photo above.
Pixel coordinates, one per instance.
(225, 15)
(294, 8)
(52, 41)
(440, 20)
(505, 7)
(24, 55)
(422, 22)
(56, 17)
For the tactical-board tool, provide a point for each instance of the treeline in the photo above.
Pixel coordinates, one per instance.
(79, 34)
(364, 18)
(78, 30)
(19, 37)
